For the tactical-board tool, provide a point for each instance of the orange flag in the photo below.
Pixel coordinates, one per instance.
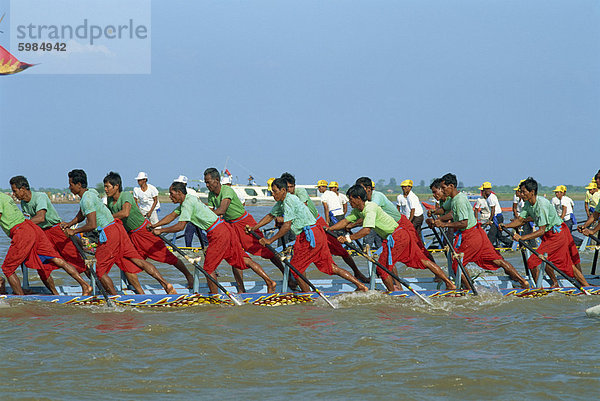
(9, 63)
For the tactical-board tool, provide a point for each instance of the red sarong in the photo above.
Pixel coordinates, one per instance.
(304, 254)
(476, 247)
(335, 247)
(248, 242)
(557, 247)
(223, 243)
(65, 247)
(29, 245)
(116, 250)
(405, 250)
(150, 246)
(404, 222)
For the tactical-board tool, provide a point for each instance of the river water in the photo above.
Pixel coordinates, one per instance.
(372, 347)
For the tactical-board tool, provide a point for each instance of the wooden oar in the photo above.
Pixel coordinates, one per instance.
(92, 273)
(394, 276)
(456, 256)
(545, 260)
(288, 264)
(201, 269)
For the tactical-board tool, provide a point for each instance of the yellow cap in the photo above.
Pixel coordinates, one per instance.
(333, 184)
(560, 188)
(406, 183)
(322, 183)
(372, 184)
(518, 186)
(592, 185)
(486, 185)
(269, 182)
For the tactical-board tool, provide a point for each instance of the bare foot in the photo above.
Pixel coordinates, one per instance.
(525, 285)
(450, 286)
(397, 287)
(271, 287)
(554, 285)
(87, 290)
(170, 289)
(362, 287)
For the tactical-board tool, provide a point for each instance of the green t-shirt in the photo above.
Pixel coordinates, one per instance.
(462, 210)
(387, 205)
(11, 215)
(235, 209)
(297, 212)
(304, 198)
(90, 202)
(542, 213)
(374, 217)
(447, 204)
(40, 201)
(135, 218)
(196, 212)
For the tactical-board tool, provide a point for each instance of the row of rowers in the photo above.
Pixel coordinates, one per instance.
(549, 218)
(125, 240)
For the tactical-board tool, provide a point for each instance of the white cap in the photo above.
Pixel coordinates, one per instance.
(181, 178)
(142, 176)
(225, 180)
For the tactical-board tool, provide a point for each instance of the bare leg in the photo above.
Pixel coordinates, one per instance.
(261, 273)
(347, 276)
(188, 276)
(153, 271)
(511, 272)
(2, 286)
(553, 280)
(86, 289)
(579, 277)
(49, 283)
(239, 278)
(212, 287)
(357, 273)
(135, 282)
(303, 285)
(15, 284)
(389, 283)
(108, 285)
(435, 269)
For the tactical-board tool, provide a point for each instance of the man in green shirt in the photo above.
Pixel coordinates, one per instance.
(399, 245)
(225, 203)
(223, 243)
(40, 210)
(557, 241)
(311, 242)
(123, 206)
(114, 247)
(29, 245)
(471, 239)
(334, 246)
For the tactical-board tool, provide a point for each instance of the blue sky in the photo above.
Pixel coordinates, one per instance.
(490, 90)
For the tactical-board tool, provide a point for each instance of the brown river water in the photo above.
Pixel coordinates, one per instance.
(372, 347)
